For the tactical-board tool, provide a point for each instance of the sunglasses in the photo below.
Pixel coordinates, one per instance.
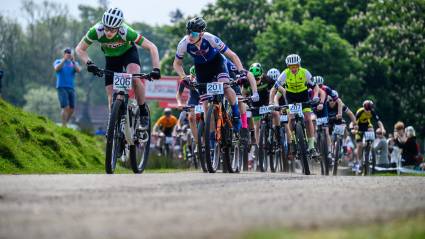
(194, 34)
(67, 52)
(113, 30)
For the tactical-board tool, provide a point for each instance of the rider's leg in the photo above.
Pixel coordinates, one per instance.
(276, 124)
(230, 95)
(192, 124)
(257, 131)
(310, 130)
(139, 90)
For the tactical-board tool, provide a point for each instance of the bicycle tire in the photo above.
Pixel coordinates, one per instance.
(302, 148)
(211, 165)
(366, 155)
(137, 151)
(272, 154)
(336, 156)
(113, 127)
(262, 151)
(201, 147)
(323, 146)
(284, 150)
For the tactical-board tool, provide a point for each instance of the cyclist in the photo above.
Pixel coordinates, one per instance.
(263, 84)
(118, 43)
(364, 115)
(249, 79)
(273, 74)
(295, 81)
(165, 125)
(333, 109)
(210, 65)
(193, 100)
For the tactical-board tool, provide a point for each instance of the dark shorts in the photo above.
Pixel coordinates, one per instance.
(66, 97)
(237, 89)
(211, 71)
(168, 132)
(300, 97)
(193, 98)
(119, 63)
(323, 113)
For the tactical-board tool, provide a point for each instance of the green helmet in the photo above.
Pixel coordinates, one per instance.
(256, 69)
(192, 71)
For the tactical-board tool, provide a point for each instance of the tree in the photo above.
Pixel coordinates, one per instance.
(43, 101)
(322, 51)
(393, 54)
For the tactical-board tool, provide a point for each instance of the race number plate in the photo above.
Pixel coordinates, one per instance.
(369, 135)
(199, 109)
(122, 81)
(322, 121)
(339, 129)
(264, 110)
(296, 109)
(284, 118)
(248, 114)
(215, 88)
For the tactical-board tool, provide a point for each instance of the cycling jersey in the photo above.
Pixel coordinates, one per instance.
(295, 83)
(119, 44)
(363, 118)
(329, 92)
(210, 47)
(166, 122)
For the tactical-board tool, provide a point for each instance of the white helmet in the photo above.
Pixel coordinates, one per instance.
(273, 73)
(113, 17)
(318, 80)
(293, 59)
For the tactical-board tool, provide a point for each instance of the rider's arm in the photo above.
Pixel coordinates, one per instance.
(148, 45)
(81, 50)
(234, 58)
(277, 98)
(311, 84)
(178, 67)
(273, 92)
(252, 82)
(322, 96)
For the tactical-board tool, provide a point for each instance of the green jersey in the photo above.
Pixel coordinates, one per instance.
(119, 44)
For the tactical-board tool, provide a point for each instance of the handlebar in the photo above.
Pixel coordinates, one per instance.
(145, 76)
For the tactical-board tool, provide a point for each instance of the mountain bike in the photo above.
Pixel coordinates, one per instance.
(337, 139)
(219, 140)
(322, 142)
(124, 130)
(187, 142)
(369, 160)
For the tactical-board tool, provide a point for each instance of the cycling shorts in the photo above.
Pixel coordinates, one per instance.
(298, 98)
(211, 71)
(120, 63)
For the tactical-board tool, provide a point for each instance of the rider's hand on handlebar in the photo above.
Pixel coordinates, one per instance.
(255, 97)
(155, 73)
(91, 67)
(338, 116)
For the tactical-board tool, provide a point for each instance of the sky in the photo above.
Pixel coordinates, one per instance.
(148, 11)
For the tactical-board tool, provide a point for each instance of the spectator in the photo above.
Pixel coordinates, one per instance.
(410, 148)
(380, 146)
(65, 72)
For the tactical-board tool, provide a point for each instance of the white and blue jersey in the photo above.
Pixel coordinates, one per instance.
(210, 47)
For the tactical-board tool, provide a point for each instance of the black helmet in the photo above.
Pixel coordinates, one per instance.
(368, 105)
(196, 24)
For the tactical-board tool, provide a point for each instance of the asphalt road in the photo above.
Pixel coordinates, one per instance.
(196, 205)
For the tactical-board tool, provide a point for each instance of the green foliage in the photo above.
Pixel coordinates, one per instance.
(393, 55)
(31, 143)
(321, 49)
(43, 101)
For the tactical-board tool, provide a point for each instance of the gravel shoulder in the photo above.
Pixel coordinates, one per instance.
(196, 205)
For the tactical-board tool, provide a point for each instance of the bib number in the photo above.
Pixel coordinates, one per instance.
(296, 109)
(264, 110)
(339, 129)
(215, 88)
(284, 118)
(369, 135)
(322, 121)
(199, 109)
(122, 82)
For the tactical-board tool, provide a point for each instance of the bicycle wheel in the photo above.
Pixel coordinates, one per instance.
(212, 154)
(262, 150)
(139, 152)
(273, 151)
(201, 146)
(366, 158)
(302, 148)
(337, 154)
(113, 142)
(323, 147)
(284, 150)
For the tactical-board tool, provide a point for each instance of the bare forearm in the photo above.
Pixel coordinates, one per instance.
(178, 67)
(272, 95)
(252, 82)
(234, 58)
